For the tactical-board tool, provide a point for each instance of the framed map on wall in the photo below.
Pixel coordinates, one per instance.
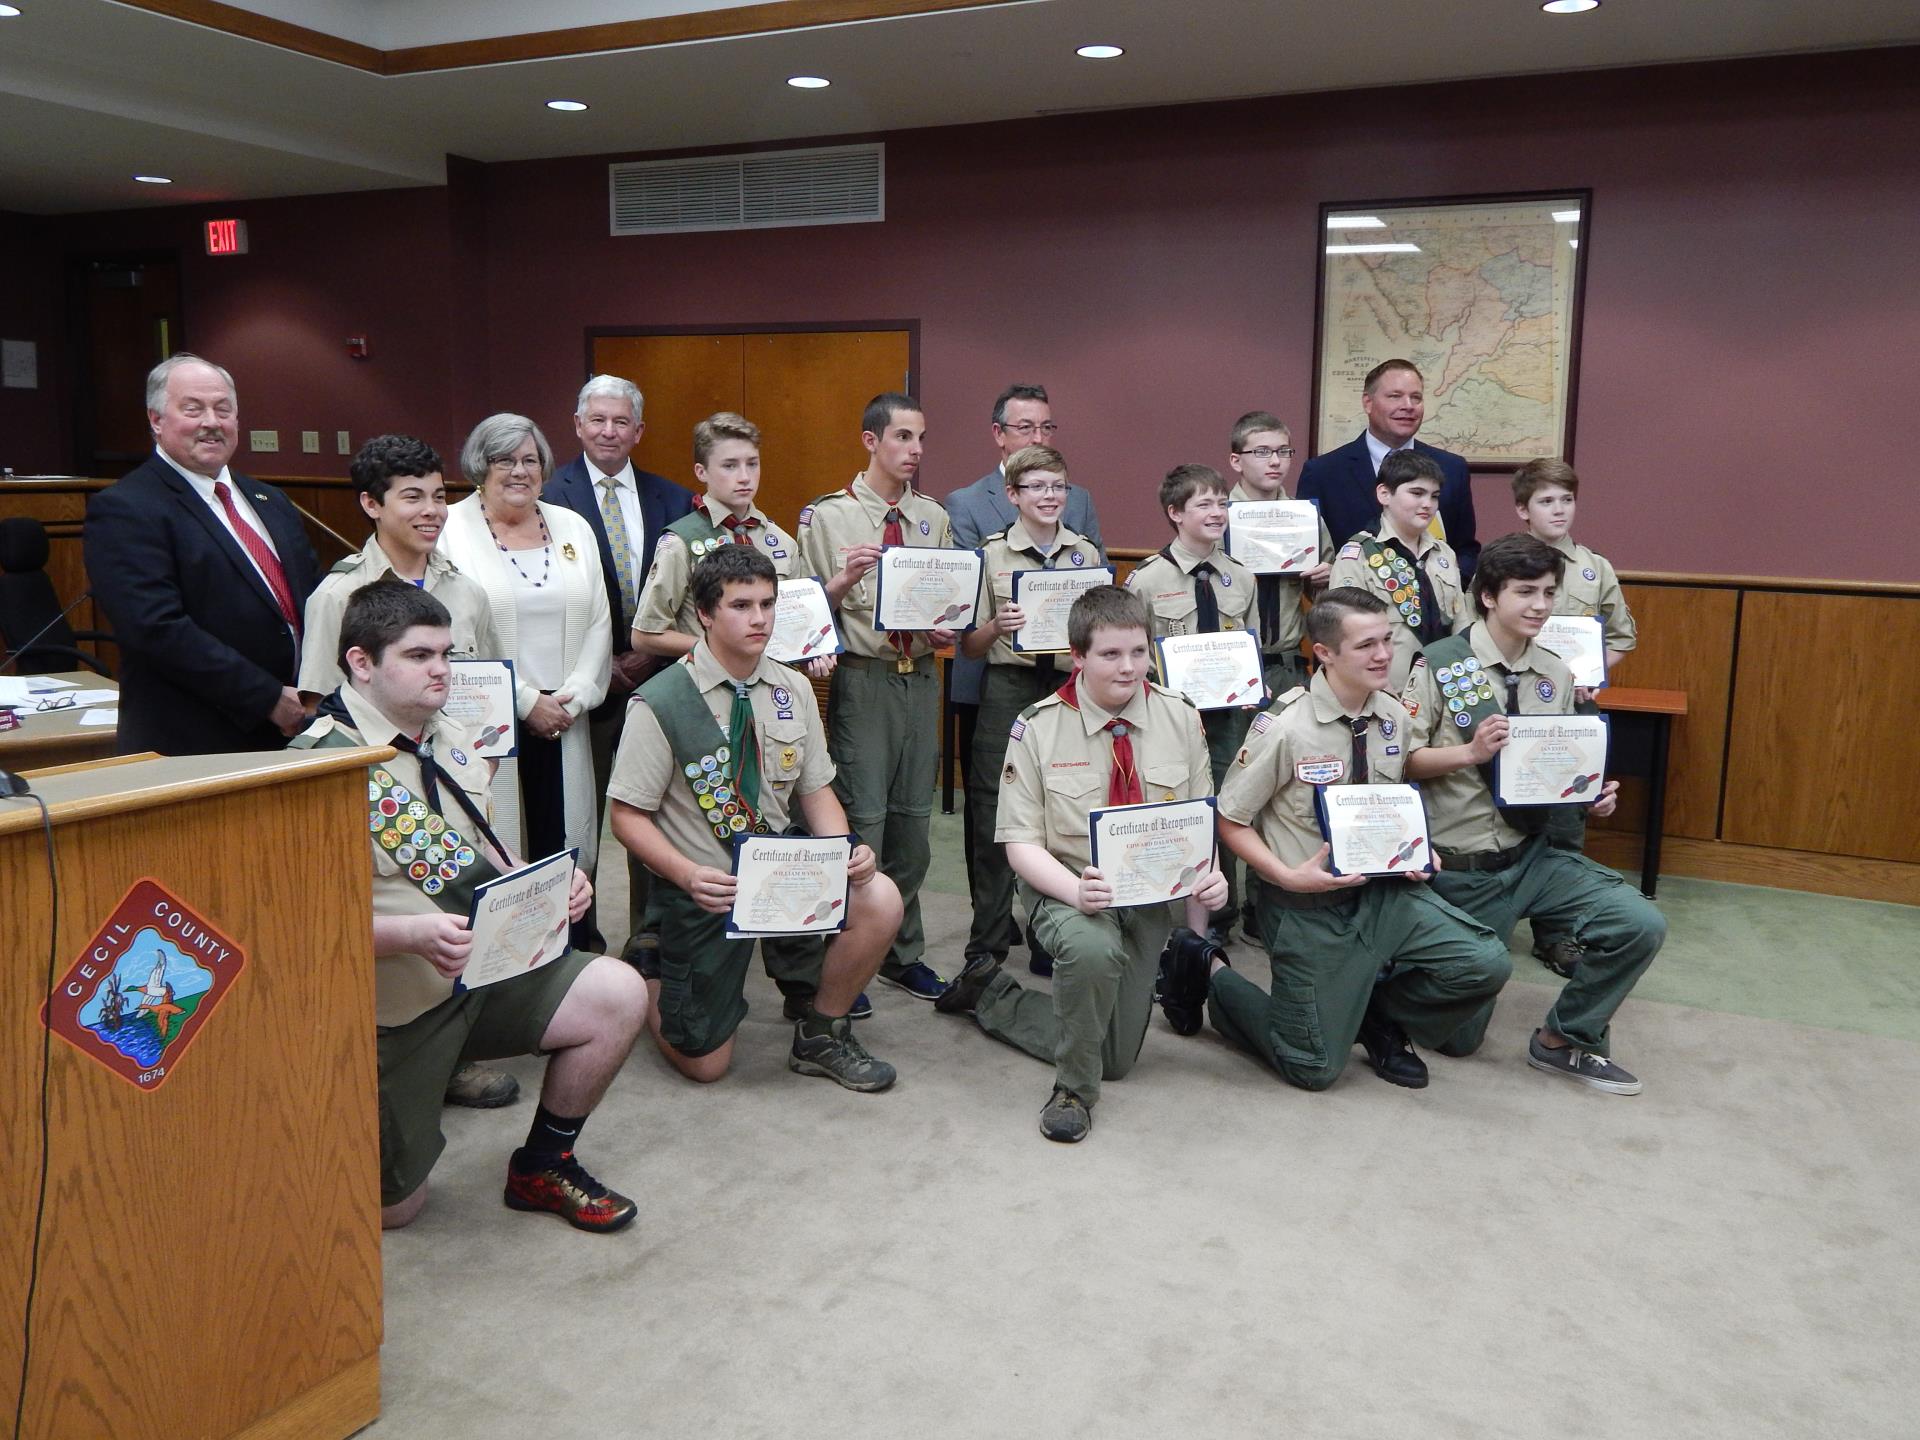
(1481, 292)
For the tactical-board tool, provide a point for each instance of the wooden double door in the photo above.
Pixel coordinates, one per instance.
(804, 389)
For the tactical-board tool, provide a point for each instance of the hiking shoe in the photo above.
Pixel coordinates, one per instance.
(1582, 1065)
(1562, 957)
(963, 992)
(564, 1188)
(795, 1007)
(1390, 1052)
(917, 980)
(479, 1088)
(1066, 1117)
(1181, 986)
(839, 1057)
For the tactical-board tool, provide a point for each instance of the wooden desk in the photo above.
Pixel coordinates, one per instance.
(56, 737)
(1644, 718)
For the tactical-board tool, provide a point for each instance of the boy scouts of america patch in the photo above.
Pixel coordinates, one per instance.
(144, 986)
(925, 529)
(1545, 689)
(1078, 558)
(416, 839)
(1586, 573)
(783, 702)
(1386, 729)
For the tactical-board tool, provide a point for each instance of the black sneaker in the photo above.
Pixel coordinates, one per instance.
(1582, 1065)
(1181, 987)
(1066, 1117)
(1562, 957)
(838, 1057)
(963, 992)
(795, 1007)
(1390, 1052)
(1040, 961)
(917, 980)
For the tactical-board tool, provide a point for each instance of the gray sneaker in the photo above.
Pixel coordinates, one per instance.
(839, 1057)
(1066, 1117)
(1582, 1065)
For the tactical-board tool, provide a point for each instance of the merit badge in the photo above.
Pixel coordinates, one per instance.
(1586, 573)
(1471, 663)
(389, 806)
(435, 824)
(723, 754)
(464, 855)
(1449, 689)
(707, 802)
(1386, 729)
(391, 839)
(1456, 705)
(449, 871)
(1463, 721)
(1545, 689)
(709, 763)
(406, 825)
(144, 986)
(451, 840)
(406, 854)
(691, 769)
(417, 809)
(723, 795)
(419, 870)
(1376, 560)
(433, 884)
(700, 786)
(1320, 770)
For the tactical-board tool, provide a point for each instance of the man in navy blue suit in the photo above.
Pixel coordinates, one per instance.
(204, 577)
(1342, 480)
(627, 509)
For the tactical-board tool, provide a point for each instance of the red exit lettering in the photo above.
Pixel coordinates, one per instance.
(226, 237)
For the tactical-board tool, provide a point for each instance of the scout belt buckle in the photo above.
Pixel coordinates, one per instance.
(903, 665)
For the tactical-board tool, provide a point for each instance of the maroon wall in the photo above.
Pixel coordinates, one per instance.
(32, 438)
(1156, 270)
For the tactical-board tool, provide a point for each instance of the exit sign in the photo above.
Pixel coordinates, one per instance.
(226, 237)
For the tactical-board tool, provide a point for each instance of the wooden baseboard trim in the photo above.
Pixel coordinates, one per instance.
(1845, 875)
(338, 1406)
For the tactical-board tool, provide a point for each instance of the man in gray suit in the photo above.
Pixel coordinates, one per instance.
(1021, 416)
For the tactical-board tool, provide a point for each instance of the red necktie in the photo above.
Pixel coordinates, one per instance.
(262, 553)
(1123, 785)
(890, 534)
(740, 528)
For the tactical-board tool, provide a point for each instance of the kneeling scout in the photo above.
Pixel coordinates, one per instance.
(1372, 959)
(1106, 737)
(432, 845)
(722, 743)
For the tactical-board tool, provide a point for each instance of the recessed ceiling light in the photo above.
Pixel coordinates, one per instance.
(1100, 52)
(7, 12)
(808, 82)
(1569, 7)
(567, 105)
(153, 179)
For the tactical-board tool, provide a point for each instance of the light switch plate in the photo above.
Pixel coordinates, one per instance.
(310, 442)
(263, 442)
(343, 442)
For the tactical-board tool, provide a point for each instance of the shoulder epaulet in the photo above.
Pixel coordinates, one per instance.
(1158, 689)
(1049, 699)
(840, 494)
(347, 564)
(317, 731)
(989, 539)
(1287, 697)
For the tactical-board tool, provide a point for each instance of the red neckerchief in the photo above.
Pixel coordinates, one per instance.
(1123, 779)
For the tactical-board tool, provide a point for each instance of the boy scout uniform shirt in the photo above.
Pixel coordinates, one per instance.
(1293, 620)
(1589, 587)
(666, 602)
(1013, 549)
(835, 523)
(1461, 815)
(466, 602)
(406, 986)
(1304, 740)
(1435, 558)
(1060, 760)
(1168, 588)
(793, 755)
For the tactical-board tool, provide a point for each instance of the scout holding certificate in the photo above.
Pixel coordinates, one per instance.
(1497, 863)
(1260, 453)
(1035, 547)
(1106, 738)
(1330, 937)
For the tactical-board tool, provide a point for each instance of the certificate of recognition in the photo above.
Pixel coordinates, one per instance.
(802, 624)
(789, 885)
(480, 697)
(1551, 760)
(1155, 852)
(519, 921)
(1220, 671)
(1373, 829)
(926, 589)
(1274, 537)
(1580, 640)
(1045, 597)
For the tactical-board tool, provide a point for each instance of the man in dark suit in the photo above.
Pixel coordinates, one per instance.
(1342, 480)
(1022, 416)
(204, 577)
(627, 509)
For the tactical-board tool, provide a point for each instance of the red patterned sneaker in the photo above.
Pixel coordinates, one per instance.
(567, 1190)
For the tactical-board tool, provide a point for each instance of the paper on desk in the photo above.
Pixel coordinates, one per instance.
(95, 697)
(21, 690)
(101, 717)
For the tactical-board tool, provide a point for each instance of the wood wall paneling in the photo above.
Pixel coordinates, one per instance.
(1821, 755)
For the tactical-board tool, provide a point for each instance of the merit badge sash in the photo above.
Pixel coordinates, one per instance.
(1394, 574)
(700, 749)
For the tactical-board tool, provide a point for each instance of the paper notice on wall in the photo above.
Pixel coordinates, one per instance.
(19, 365)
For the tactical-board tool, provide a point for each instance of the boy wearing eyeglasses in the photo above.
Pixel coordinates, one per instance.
(1260, 455)
(1036, 486)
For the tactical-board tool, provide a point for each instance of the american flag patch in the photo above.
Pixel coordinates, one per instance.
(806, 516)
(1019, 730)
(1262, 723)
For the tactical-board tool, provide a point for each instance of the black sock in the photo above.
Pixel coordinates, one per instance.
(550, 1136)
(814, 1023)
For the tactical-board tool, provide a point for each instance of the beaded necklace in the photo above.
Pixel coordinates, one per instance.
(546, 547)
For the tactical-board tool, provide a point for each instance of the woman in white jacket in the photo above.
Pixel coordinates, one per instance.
(541, 570)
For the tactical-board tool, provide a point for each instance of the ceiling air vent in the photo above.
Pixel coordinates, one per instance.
(836, 185)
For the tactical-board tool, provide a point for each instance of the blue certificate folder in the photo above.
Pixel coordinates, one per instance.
(836, 899)
(1417, 854)
(1210, 851)
(973, 605)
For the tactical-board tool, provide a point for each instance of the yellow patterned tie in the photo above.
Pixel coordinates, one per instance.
(621, 546)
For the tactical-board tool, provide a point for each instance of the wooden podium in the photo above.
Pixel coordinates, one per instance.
(209, 1250)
